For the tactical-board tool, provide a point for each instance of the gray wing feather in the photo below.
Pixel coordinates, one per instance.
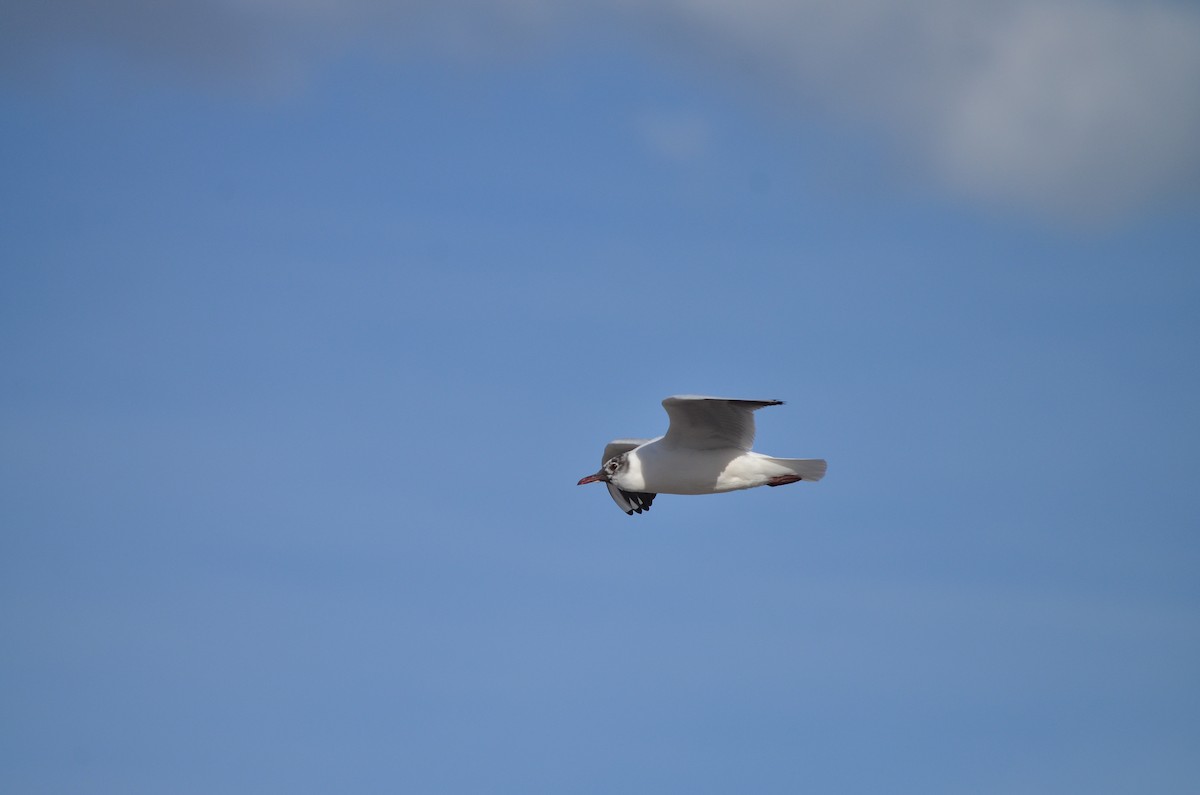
(710, 423)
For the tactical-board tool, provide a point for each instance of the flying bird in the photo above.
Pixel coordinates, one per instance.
(706, 450)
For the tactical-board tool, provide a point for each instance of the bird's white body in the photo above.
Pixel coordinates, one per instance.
(659, 467)
(706, 450)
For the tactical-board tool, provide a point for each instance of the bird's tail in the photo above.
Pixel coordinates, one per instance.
(806, 468)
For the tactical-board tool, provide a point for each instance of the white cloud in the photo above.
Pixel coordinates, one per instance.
(1083, 108)
(1078, 108)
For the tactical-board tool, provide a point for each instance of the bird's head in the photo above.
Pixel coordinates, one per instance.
(612, 467)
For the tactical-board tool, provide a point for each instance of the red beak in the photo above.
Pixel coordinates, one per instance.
(590, 479)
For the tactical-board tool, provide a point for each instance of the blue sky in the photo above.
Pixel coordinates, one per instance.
(314, 314)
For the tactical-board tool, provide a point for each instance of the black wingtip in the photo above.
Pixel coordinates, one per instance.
(638, 501)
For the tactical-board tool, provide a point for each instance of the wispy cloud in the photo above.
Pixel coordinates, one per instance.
(1078, 108)
(1074, 108)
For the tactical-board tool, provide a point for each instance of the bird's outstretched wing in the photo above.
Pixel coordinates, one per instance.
(628, 501)
(710, 423)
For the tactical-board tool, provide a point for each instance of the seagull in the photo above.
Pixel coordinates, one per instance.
(706, 450)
